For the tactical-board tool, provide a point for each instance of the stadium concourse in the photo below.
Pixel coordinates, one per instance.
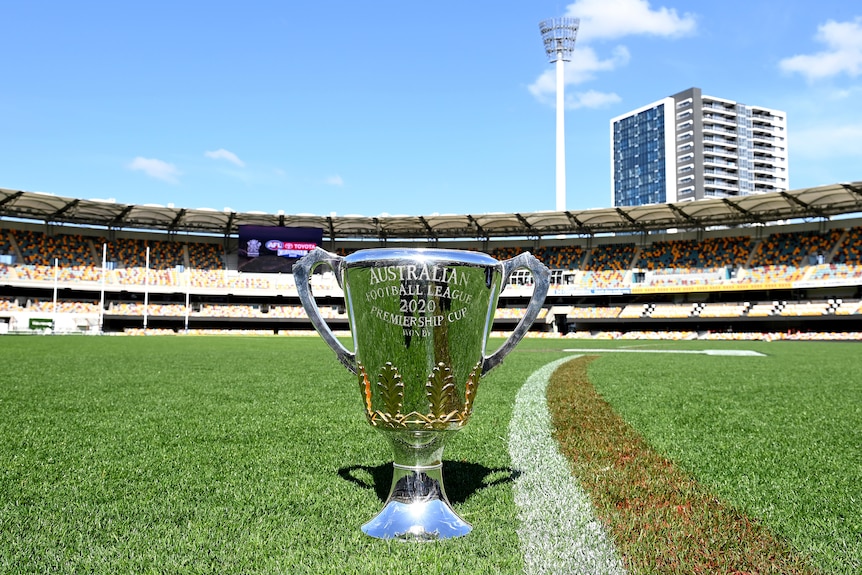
(776, 265)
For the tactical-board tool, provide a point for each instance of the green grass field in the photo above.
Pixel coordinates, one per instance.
(252, 455)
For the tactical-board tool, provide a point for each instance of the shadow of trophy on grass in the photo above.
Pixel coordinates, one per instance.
(469, 478)
(420, 320)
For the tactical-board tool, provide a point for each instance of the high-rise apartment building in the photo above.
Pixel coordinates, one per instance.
(689, 146)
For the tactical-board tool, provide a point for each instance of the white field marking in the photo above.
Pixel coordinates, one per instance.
(558, 530)
(734, 352)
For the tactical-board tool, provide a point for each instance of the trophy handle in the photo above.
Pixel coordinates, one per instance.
(541, 283)
(302, 271)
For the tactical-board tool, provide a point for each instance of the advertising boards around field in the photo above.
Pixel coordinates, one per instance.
(37, 323)
(273, 249)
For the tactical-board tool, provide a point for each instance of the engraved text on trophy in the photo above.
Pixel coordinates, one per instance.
(428, 295)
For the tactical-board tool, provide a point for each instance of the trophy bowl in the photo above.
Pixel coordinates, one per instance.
(420, 320)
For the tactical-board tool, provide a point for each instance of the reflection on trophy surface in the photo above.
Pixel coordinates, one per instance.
(420, 320)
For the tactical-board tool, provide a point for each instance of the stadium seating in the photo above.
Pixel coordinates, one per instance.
(743, 263)
(610, 257)
(593, 312)
(204, 256)
(6, 247)
(691, 255)
(9, 304)
(849, 250)
(793, 249)
(70, 250)
(724, 310)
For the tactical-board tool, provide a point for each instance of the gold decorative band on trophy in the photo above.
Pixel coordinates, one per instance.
(447, 410)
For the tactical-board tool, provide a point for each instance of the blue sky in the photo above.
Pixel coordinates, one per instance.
(394, 107)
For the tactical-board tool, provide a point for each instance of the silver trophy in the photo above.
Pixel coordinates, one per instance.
(420, 320)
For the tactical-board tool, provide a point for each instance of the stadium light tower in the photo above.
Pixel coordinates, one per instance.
(559, 37)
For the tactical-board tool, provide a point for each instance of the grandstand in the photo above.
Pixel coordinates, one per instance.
(785, 262)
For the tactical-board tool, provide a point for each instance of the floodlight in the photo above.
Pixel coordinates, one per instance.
(559, 37)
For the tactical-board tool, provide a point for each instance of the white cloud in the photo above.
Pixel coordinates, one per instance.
(335, 180)
(606, 20)
(586, 62)
(154, 168)
(591, 99)
(222, 154)
(610, 19)
(843, 52)
(583, 67)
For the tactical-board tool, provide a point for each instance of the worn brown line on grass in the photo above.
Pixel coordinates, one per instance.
(662, 520)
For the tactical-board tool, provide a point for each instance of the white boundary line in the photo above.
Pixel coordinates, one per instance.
(730, 352)
(558, 531)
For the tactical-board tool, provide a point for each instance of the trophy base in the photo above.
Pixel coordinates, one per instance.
(417, 508)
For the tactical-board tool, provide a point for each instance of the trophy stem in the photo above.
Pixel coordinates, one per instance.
(417, 508)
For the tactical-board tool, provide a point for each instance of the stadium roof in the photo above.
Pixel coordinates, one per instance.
(809, 203)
